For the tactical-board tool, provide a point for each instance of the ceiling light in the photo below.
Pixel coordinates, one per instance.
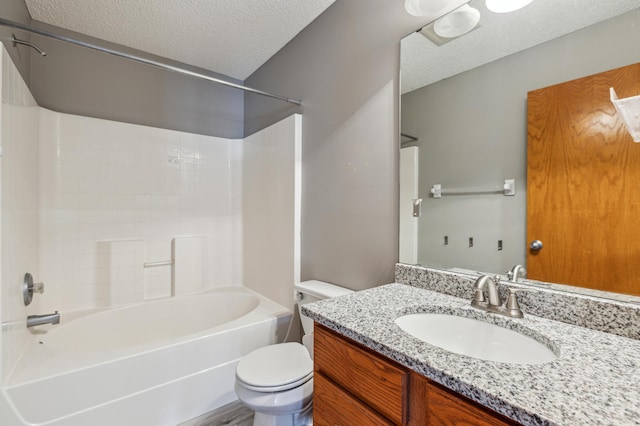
(458, 22)
(505, 6)
(426, 7)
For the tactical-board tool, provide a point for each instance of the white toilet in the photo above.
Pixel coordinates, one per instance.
(277, 381)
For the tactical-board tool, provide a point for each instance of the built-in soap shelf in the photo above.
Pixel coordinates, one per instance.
(508, 189)
(122, 265)
(629, 110)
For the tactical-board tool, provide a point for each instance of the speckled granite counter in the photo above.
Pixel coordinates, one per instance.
(594, 381)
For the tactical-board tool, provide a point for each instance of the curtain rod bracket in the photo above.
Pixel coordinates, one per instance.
(17, 41)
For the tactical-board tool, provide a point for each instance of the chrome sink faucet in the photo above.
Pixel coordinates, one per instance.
(487, 284)
(517, 272)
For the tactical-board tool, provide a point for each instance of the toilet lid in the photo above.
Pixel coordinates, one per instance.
(275, 366)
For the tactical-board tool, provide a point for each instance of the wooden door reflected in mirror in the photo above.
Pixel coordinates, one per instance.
(583, 184)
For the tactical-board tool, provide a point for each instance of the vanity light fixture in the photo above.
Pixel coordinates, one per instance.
(506, 6)
(457, 23)
(426, 7)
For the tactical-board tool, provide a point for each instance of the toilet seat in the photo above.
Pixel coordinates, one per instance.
(277, 388)
(275, 368)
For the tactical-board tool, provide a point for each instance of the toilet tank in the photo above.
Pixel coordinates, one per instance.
(312, 291)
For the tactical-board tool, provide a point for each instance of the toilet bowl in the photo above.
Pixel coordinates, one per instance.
(276, 381)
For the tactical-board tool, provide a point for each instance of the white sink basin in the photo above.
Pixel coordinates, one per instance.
(476, 339)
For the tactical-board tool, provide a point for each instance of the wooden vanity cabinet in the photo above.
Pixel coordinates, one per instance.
(355, 386)
(379, 384)
(332, 405)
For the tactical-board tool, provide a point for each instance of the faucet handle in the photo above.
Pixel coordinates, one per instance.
(512, 304)
(512, 301)
(29, 287)
(38, 288)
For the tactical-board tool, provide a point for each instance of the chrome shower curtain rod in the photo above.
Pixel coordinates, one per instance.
(44, 33)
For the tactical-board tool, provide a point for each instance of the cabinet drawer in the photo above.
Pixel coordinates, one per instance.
(371, 378)
(332, 406)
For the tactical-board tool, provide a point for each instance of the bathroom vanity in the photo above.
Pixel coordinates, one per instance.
(356, 386)
(369, 371)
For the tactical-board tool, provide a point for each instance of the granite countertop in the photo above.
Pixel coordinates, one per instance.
(594, 381)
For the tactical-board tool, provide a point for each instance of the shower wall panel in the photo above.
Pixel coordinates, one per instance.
(103, 180)
(19, 198)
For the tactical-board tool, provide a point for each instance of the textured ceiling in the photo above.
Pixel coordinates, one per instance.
(231, 37)
(500, 35)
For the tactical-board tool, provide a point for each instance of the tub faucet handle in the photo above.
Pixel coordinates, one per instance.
(38, 288)
(29, 287)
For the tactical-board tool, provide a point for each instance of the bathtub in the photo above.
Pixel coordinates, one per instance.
(154, 363)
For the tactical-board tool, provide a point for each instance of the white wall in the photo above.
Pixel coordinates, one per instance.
(104, 180)
(19, 231)
(408, 235)
(271, 191)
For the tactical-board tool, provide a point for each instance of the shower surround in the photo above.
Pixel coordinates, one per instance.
(73, 185)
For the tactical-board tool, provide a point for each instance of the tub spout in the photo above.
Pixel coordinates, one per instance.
(53, 318)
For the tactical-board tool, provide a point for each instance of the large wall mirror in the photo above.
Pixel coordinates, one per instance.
(464, 124)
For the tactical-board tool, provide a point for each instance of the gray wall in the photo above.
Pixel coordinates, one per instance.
(344, 67)
(77, 80)
(473, 133)
(16, 10)
(81, 81)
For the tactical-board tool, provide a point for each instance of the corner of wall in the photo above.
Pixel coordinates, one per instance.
(16, 10)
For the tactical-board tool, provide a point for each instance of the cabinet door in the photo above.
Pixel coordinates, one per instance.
(440, 407)
(332, 406)
(373, 379)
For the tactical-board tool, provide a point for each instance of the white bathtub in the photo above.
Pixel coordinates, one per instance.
(155, 363)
